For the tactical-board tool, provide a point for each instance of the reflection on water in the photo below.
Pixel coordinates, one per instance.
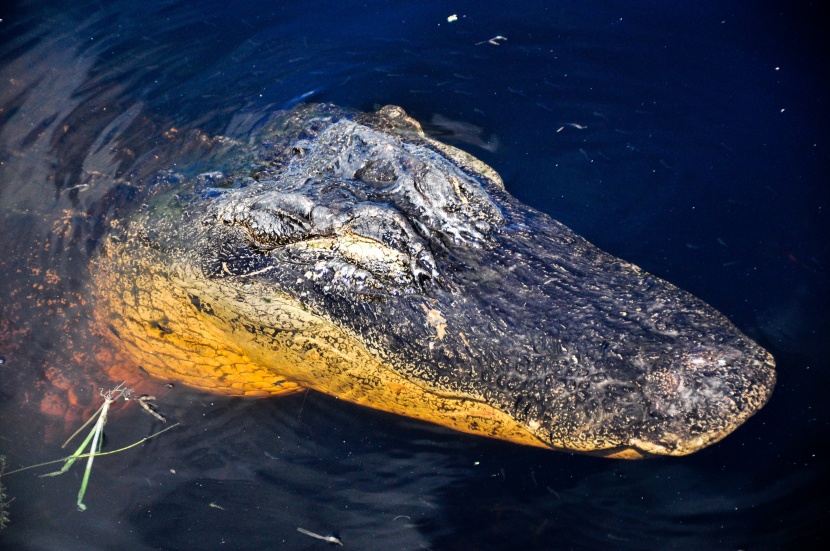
(682, 140)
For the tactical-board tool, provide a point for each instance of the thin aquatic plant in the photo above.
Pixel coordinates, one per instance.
(4, 505)
(95, 435)
(93, 440)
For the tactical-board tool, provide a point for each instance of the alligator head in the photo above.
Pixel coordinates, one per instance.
(353, 255)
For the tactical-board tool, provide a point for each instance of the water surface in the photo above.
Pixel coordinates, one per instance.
(690, 139)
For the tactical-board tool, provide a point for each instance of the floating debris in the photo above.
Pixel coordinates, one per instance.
(330, 539)
(149, 407)
(495, 41)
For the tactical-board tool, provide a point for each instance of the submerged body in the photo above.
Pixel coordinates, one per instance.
(351, 254)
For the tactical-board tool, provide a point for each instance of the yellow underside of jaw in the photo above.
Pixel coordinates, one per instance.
(243, 342)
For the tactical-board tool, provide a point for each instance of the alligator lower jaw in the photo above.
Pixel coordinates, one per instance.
(639, 449)
(233, 343)
(678, 448)
(623, 452)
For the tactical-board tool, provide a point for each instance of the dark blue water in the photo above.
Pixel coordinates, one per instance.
(688, 138)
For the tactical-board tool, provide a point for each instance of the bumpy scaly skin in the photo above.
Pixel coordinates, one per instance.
(350, 254)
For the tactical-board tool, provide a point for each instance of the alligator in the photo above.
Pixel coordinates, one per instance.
(351, 254)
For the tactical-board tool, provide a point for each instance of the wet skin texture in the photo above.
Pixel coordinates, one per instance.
(350, 254)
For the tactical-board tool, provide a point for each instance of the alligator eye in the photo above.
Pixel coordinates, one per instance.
(234, 259)
(377, 173)
(355, 263)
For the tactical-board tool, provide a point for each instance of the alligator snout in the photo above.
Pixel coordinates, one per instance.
(702, 396)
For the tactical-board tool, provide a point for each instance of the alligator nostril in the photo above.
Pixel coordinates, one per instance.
(662, 384)
(422, 278)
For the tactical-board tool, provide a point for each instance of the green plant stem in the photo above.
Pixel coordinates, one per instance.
(85, 455)
(88, 421)
(97, 431)
(69, 461)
